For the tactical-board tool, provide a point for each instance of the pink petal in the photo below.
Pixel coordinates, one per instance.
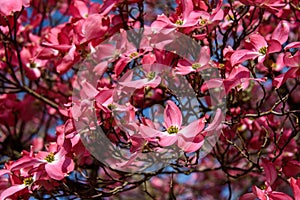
(11, 190)
(88, 90)
(204, 56)
(148, 132)
(167, 140)
(127, 76)
(270, 171)
(189, 146)
(239, 73)
(217, 121)
(279, 63)
(242, 55)
(279, 196)
(295, 184)
(57, 169)
(200, 36)
(142, 83)
(24, 162)
(4, 171)
(258, 41)
(108, 6)
(8, 7)
(162, 22)
(259, 193)
(292, 168)
(281, 32)
(103, 96)
(273, 46)
(94, 27)
(193, 128)
(281, 79)
(62, 47)
(248, 196)
(79, 9)
(218, 12)
(184, 70)
(26, 3)
(184, 67)
(100, 68)
(172, 115)
(187, 8)
(292, 60)
(154, 82)
(212, 83)
(120, 65)
(238, 76)
(292, 45)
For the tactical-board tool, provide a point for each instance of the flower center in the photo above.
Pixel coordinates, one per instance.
(28, 181)
(111, 106)
(196, 65)
(179, 22)
(202, 21)
(50, 157)
(221, 65)
(32, 65)
(150, 75)
(263, 50)
(134, 54)
(172, 130)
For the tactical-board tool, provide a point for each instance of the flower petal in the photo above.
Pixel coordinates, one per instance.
(295, 184)
(273, 46)
(167, 140)
(258, 41)
(172, 115)
(281, 32)
(193, 128)
(242, 55)
(148, 132)
(11, 190)
(190, 145)
(217, 122)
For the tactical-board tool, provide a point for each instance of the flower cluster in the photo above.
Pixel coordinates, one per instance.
(209, 89)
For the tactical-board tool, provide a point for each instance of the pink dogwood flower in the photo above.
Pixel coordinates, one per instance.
(25, 187)
(172, 23)
(258, 48)
(292, 61)
(151, 77)
(184, 67)
(9, 7)
(270, 5)
(57, 163)
(188, 138)
(205, 18)
(239, 78)
(266, 193)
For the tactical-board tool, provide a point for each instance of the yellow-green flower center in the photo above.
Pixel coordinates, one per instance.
(32, 65)
(150, 75)
(50, 157)
(172, 130)
(134, 54)
(179, 22)
(263, 50)
(28, 181)
(111, 106)
(196, 65)
(263, 187)
(202, 21)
